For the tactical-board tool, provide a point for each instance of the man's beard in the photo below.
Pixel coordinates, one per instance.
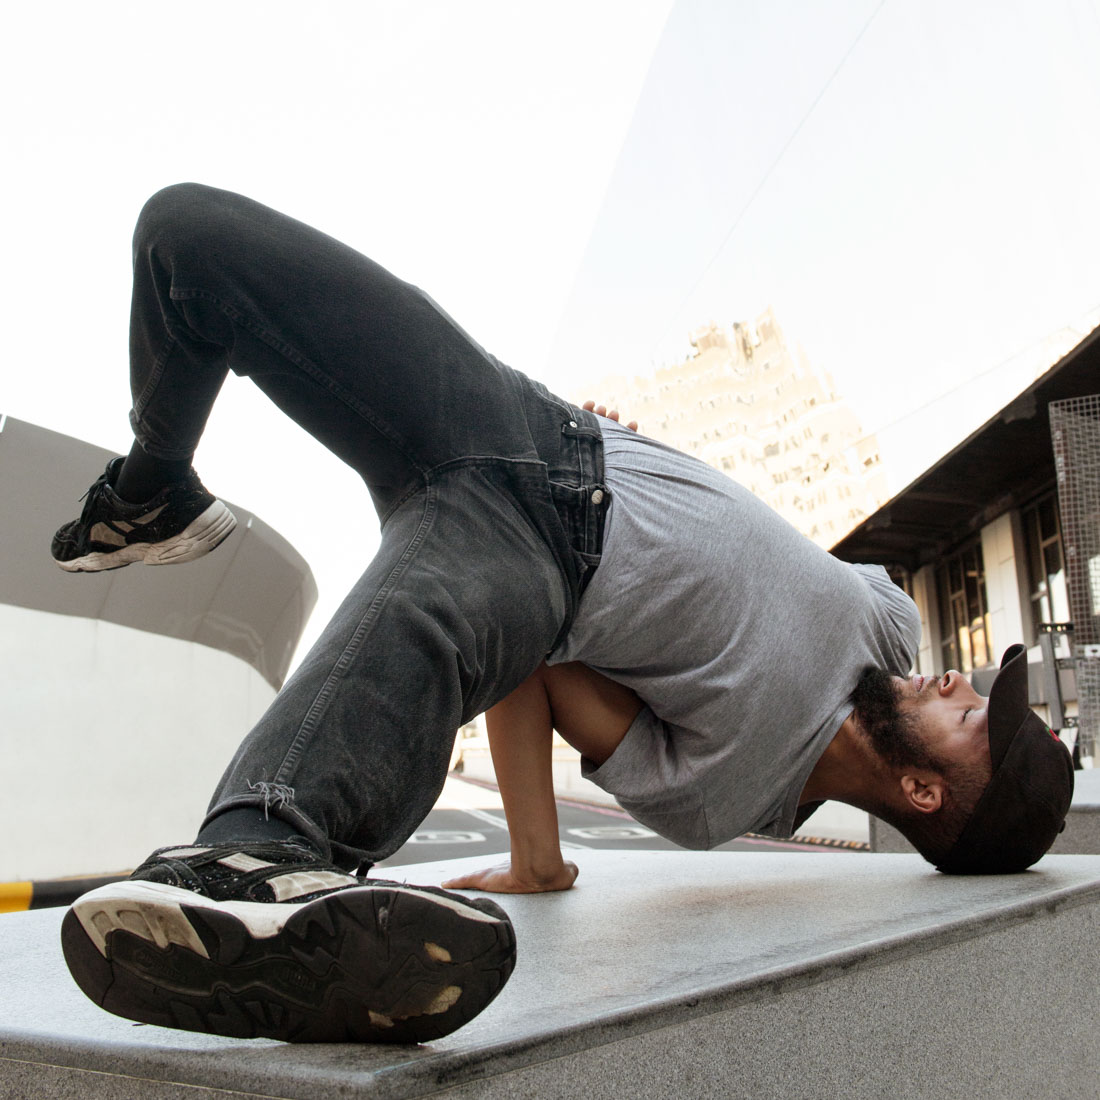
(893, 733)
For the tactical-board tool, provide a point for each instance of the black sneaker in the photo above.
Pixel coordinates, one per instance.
(181, 523)
(268, 939)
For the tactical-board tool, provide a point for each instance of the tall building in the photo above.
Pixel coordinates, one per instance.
(747, 403)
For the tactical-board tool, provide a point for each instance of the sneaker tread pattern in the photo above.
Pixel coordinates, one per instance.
(353, 966)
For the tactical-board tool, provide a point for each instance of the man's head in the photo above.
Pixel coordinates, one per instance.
(977, 785)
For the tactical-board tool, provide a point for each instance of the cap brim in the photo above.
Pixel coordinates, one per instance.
(1008, 703)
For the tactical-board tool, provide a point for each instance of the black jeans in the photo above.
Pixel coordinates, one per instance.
(489, 488)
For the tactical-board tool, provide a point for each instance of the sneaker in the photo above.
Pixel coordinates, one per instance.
(181, 523)
(268, 939)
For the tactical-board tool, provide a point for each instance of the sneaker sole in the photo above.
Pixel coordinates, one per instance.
(366, 964)
(199, 537)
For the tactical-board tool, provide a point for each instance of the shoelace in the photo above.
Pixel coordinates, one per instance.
(91, 495)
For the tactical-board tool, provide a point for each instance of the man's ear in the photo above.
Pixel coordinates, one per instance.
(923, 791)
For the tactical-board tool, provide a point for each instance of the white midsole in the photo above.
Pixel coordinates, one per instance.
(154, 911)
(201, 535)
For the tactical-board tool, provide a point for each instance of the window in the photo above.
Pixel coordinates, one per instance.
(964, 619)
(1045, 563)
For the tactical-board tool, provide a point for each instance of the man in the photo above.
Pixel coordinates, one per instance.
(738, 649)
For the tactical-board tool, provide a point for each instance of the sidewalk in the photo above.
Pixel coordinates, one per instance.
(833, 822)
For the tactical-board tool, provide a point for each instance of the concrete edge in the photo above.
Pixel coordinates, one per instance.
(449, 1068)
(427, 1072)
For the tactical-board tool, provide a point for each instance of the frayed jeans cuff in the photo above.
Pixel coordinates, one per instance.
(273, 800)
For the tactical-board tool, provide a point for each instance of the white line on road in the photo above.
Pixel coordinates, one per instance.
(502, 823)
(488, 818)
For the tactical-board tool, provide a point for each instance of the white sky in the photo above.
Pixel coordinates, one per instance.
(913, 186)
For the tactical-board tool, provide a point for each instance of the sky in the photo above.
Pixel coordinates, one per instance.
(911, 186)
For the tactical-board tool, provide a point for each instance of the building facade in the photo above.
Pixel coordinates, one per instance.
(980, 543)
(749, 404)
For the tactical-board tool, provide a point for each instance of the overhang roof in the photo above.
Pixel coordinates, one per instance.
(1000, 466)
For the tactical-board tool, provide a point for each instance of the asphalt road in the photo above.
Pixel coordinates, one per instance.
(469, 821)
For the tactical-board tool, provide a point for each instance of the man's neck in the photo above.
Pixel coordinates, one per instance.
(847, 771)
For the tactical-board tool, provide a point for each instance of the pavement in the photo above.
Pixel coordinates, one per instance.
(833, 822)
(468, 821)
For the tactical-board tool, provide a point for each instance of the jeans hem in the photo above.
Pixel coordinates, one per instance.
(284, 812)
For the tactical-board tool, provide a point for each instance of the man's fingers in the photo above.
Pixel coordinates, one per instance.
(463, 882)
(610, 414)
(503, 880)
(474, 880)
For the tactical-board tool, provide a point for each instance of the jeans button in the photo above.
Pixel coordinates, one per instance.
(572, 423)
(597, 496)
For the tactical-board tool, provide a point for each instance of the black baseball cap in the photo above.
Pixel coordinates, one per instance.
(1024, 806)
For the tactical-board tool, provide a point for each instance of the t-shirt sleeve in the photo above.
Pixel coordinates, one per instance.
(898, 620)
(647, 780)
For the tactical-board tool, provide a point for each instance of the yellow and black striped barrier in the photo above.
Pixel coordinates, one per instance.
(17, 896)
(833, 842)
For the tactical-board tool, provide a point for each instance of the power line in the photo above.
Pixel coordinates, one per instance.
(971, 379)
(767, 175)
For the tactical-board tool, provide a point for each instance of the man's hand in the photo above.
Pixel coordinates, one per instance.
(502, 879)
(613, 414)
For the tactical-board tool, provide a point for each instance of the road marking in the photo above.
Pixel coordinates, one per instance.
(446, 836)
(488, 818)
(502, 823)
(612, 832)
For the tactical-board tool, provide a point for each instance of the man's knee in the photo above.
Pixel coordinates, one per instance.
(174, 212)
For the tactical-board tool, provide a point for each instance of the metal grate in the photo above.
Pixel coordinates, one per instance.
(1075, 433)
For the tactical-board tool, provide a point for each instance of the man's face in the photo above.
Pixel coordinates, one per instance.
(951, 717)
(929, 722)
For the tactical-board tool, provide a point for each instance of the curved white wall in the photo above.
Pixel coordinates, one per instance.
(111, 740)
(125, 693)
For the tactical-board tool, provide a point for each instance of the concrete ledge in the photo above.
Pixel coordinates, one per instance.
(1081, 835)
(1082, 832)
(690, 974)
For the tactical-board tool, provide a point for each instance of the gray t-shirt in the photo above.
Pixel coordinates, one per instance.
(742, 637)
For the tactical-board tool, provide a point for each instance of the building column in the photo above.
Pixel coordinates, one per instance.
(924, 596)
(1006, 586)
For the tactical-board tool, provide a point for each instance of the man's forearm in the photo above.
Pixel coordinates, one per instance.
(521, 742)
